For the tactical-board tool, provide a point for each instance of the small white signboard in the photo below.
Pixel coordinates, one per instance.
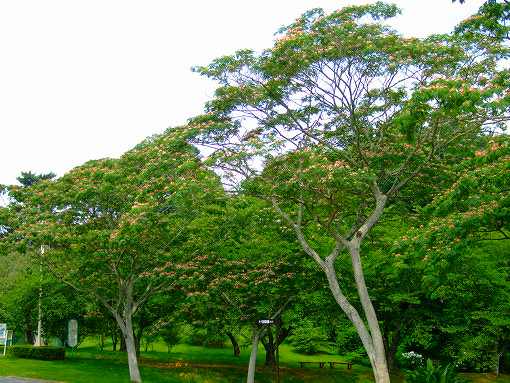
(72, 333)
(3, 335)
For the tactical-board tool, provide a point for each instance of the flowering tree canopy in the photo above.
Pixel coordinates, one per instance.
(118, 228)
(338, 117)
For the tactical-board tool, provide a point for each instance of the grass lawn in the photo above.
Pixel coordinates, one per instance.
(190, 364)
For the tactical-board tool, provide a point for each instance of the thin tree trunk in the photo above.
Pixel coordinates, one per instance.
(378, 364)
(391, 349)
(370, 337)
(122, 347)
(101, 342)
(114, 340)
(253, 356)
(138, 341)
(235, 345)
(134, 372)
(269, 347)
(381, 366)
(498, 362)
(29, 336)
(125, 322)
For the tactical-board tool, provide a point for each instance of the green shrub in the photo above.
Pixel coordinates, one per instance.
(196, 337)
(170, 335)
(505, 363)
(410, 360)
(309, 339)
(431, 373)
(41, 353)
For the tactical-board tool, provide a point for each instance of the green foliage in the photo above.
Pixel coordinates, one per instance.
(350, 119)
(307, 338)
(170, 335)
(348, 344)
(41, 353)
(491, 20)
(27, 179)
(434, 374)
(343, 110)
(458, 254)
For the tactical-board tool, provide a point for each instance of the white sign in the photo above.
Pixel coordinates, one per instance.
(72, 333)
(3, 335)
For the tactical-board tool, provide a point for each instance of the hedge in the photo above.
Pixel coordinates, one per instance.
(41, 353)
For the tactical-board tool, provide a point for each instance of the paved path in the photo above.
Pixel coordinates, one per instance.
(13, 379)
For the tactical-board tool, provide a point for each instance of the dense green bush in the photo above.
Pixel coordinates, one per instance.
(431, 373)
(349, 344)
(410, 360)
(309, 339)
(201, 336)
(41, 353)
(170, 335)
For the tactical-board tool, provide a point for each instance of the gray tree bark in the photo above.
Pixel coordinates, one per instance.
(134, 371)
(125, 322)
(371, 337)
(253, 356)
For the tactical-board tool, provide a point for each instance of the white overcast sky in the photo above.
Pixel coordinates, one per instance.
(81, 80)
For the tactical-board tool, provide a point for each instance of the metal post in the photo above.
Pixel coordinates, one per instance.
(38, 340)
(278, 357)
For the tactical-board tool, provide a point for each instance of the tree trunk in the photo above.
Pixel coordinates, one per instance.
(29, 336)
(389, 355)
(138, 342)
(122, 347)
(269, 346)
(391, 341)
(134, 372)
(379, 355)
(114, 340)
(235, 345)
(253, 357)
(125, 322)
(376, 356)
(370, 337)
(101, 342)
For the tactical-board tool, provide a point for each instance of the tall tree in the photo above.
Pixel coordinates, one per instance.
(115, 226)
(344, 113)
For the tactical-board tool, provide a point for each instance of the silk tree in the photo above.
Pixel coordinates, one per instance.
(115, 226)
(336, 119)
(247, 273)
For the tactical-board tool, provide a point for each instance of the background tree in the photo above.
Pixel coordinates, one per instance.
(252, 270)
(27, 179)
(461, 256)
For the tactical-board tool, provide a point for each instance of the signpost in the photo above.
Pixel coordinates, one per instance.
(269, 322)
(72, 333)
(39, 339)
